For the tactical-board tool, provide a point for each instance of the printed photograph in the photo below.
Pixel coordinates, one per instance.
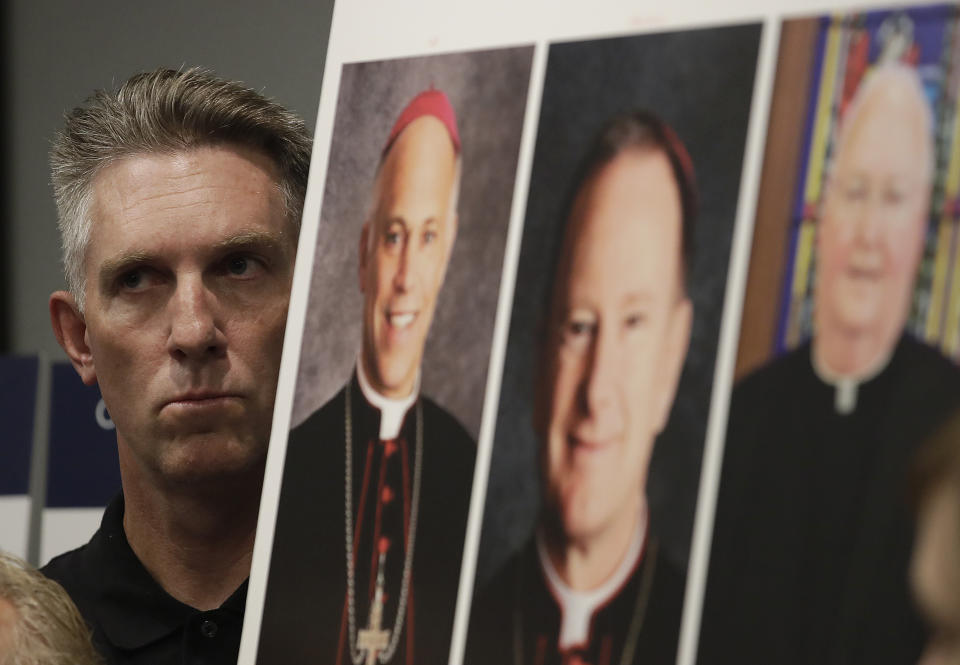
(379, 464)
(612, 345)
(849, 344)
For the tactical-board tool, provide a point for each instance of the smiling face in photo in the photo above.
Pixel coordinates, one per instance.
(618, 335)
(871, 233)
(404, 250)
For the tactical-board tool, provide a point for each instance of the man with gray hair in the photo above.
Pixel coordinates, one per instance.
(179, 200)
(812, 537)
(39, 624)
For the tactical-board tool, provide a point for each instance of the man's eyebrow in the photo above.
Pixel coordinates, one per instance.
(111, 268)
(637, 298)
(252, 240)
(396, 219)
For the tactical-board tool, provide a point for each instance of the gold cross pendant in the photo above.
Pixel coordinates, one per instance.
(373, 639)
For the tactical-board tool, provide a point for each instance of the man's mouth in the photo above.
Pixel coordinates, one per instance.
(400, 320)
(201, 398)
(588, 444)
(863, 273)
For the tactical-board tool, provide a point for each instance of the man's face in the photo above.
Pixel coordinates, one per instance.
(618, 336)
(872, 228)
(188, 276)
(935, 576)
(404, 250)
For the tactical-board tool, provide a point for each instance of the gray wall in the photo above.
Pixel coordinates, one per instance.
(60, 51)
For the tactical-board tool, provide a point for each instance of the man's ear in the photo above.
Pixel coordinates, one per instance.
(70, 329)
(362, 254)
(671, 362)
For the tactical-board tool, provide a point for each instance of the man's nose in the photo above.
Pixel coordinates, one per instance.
(403, 277)
(194, 331)
(600, 381)
(869, 219)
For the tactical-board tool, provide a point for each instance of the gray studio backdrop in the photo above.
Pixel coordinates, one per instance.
(60, 51)
(700, 82)
(488, 91)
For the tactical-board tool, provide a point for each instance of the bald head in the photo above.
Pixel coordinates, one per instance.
(891, 94)
(873, 222)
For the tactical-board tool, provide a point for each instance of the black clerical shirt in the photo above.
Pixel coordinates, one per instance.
(812, 539)
(306, 611)
(134, 621)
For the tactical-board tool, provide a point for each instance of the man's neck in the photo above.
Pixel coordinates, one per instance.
(392, 410)
(197, 544)
(857, 355)
(586, 563)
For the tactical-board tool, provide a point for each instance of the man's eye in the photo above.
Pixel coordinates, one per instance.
(133, 280)
(634, 320)
(241, 265)
(893, 196)
(429, 237)
(855, 193)
(392, 238)
(237, 265)
(578, 331)
(579, 327)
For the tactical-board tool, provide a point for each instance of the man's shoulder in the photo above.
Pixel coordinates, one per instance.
(919, 357)
(490, 633)
(447, 442)
(441, 419)
(319, 422)
(312, 450)
(925, 388)
(782, 370)
(70, 570)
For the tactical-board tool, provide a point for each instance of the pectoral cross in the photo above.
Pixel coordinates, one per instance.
(372, 639)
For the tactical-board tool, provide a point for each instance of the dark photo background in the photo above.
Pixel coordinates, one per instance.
(701, 83)
(488, 91)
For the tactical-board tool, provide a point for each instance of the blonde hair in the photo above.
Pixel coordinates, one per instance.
(47, 628)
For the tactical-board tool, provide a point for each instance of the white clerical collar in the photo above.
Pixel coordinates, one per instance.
(392, 411)
(846, 385)
(577, 607)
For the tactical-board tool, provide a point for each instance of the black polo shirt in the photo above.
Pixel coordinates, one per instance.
(133, 619)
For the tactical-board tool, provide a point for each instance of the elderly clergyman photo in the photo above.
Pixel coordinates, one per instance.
(813, 531)
(179, 199)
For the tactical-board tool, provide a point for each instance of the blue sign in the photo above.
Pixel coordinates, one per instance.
(18, 394)
(82, 461)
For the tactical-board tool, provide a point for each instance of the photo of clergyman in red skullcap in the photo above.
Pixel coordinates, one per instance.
(377, 480)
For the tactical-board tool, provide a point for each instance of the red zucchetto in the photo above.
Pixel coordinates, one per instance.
(429, 102)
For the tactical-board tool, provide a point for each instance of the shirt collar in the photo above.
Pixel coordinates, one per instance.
(392, 411)
(846, 386)
(577, 607)
(131, 607)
